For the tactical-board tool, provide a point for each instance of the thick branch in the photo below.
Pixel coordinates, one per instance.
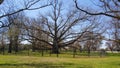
(26, 8)
(100, 13)
(41, 40)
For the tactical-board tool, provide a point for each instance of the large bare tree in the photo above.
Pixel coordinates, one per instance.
(63, 27)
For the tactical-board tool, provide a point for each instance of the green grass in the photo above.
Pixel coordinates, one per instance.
(63, 61)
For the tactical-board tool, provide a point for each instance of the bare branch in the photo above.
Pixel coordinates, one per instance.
(100, 13)
(27, 7)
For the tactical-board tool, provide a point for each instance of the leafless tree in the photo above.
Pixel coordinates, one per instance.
(63, 28)
(34, 34)
(116, 33)
(14, 30)
(2, 42)
(59, 27)
(75, 46)
(93, 42)
(110, 46)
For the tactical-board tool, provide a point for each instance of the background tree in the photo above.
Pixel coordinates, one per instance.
(110, 46)
(14, 31)
(110, 8)
(115, 25)
(92, 39)
(2, 43)
(93, 42)
(34, 31)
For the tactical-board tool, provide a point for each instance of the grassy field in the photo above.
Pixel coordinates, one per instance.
(63, 61)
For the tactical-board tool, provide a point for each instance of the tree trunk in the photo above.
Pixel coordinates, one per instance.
(16, 48)
(80, 50)
(74, 52)
(10, 47)
(42, 52)
(55, 49)
(3, 49)
(89, 52)
(16, 43)
(33, 48)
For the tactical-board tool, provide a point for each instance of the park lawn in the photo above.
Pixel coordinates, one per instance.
(17, 61)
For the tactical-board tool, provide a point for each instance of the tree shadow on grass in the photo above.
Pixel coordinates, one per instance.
(33, 65)
(42, 65)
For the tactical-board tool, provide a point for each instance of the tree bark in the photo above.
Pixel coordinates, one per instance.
(15, 43)
(55, 49)
(10, 47)
(74, 52)
(33, 46)
(89, 52)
